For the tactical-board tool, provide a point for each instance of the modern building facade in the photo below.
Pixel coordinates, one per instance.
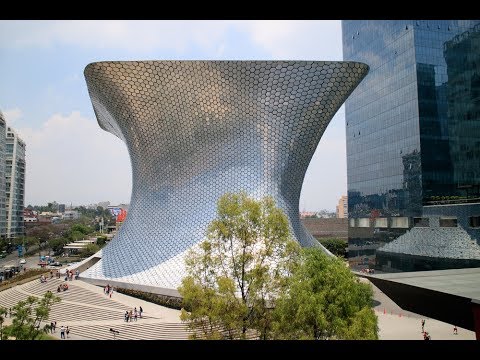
(196, 130)
(14, 184)
(3, 149)
(12, 181)
(413, 144)
(342, 207)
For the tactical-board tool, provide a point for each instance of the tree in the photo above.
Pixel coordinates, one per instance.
(89, 250)
(236, 274)
(3, 313)
(57, 244)
(28, 316)
(337, 247)
(325, 300)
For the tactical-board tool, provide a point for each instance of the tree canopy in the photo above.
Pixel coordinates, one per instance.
(28, 317)
(235, 275)
(325, 300)
(250, 279)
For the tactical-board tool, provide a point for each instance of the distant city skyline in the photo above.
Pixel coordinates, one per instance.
(71, 160)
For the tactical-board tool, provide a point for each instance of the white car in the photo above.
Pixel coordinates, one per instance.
(23, 261)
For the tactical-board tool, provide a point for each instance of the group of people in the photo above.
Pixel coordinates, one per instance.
(43, 279)
(133, 314)
(426, 335)
(64, 331)
(69, 275)
(62, 287)
(108, 290)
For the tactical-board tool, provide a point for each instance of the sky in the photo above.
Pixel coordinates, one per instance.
(71, 160)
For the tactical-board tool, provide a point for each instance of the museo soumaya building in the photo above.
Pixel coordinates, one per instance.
(198, 129)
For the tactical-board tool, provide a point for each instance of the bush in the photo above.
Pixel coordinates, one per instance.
(89, 250)
(101, 240)
(338, 247)
(163, 300)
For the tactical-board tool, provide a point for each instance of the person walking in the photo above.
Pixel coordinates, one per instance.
(423, 325)
(455, 330)
(67, 331)
(141, 311)
(62, 332)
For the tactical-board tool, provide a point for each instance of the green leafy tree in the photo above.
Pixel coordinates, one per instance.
(337, 247)
(57, 244)
(81, 228)
(89, 250)
(29, 315)
(325, 300)
(3, 313)
(236, 274)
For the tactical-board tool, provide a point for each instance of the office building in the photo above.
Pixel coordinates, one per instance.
(413, 144)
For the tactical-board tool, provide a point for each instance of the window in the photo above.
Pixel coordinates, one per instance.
(351, 222)
(400, 222)
(448, 222)
(421, 222)
(364, 222)
(381, 222)
(474, 221)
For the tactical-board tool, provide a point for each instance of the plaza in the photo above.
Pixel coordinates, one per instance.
(90, 314)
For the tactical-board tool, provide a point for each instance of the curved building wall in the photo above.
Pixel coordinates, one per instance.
(198, 129)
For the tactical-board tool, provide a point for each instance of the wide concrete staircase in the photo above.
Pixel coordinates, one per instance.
(90, 314)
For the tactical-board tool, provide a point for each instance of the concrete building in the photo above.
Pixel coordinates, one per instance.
(327, 227)
(14, 184)
(70, 215)
(413, 149)
(342, 207)
(3, 150)
(196, 130)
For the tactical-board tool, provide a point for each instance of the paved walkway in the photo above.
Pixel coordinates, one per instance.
(90, 314)
(397, 324)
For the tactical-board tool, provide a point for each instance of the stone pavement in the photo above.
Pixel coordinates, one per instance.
(397, 324)
(90, 314)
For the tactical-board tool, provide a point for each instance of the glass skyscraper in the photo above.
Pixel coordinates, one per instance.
(413, 144)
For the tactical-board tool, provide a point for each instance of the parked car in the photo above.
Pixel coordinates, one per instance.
(56, 263)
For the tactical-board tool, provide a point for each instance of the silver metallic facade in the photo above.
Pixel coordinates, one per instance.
(198, 129)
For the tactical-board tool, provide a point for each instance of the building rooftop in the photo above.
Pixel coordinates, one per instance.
(459, 282)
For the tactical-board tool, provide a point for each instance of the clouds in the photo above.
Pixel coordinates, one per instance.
(70, 159)
(12, 115)
(297, 40)
(127, 35)
(305, 40)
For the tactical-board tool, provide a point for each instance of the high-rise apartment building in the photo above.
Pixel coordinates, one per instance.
(3, 218)
(413, 144)
(342, 207)
(14, 184)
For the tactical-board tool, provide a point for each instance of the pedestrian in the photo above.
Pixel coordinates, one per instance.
(68, 331)
(423, 325)
(51, 327)
(455, 330)
(54, 326)
(141, 311)
(62, 332)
